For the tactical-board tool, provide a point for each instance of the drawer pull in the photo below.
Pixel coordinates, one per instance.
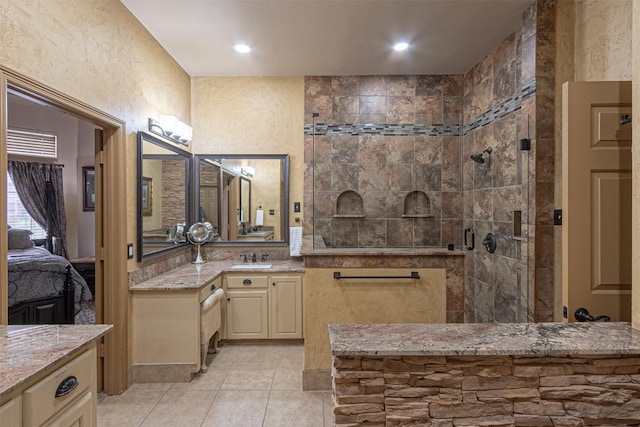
(213, 287)
(246, 282)
(67, 386)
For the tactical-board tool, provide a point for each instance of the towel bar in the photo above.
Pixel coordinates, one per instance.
(414, 275)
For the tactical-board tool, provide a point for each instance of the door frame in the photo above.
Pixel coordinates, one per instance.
(111, 263)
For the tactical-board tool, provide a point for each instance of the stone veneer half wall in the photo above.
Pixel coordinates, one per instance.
(446, 391)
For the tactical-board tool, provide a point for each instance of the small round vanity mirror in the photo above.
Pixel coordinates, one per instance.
(176, 233)
(198, 234)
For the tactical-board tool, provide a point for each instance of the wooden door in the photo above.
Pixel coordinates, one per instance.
(596, 199)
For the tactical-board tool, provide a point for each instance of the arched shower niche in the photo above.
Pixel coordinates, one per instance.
(349, 205)
(417, 205)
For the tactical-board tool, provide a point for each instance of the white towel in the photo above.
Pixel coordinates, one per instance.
(259, 217)
(295, 240)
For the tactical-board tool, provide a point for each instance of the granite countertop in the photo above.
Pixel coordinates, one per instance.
(481, 339)
(29, 351)
(194, 276)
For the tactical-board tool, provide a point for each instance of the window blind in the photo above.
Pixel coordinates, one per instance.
(32, 144)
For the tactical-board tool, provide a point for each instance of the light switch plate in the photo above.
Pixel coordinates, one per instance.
(129, 250)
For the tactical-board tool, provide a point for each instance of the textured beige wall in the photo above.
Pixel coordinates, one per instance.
(603, 40)
(366, 301)
(251, 115)
(97, 52)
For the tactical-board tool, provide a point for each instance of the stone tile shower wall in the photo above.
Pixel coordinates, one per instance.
(381, 143)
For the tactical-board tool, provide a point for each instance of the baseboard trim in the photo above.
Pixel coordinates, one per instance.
(316, 380)
(167, 373)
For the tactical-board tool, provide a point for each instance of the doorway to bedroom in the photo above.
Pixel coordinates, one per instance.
(107, 141)
(41, 134)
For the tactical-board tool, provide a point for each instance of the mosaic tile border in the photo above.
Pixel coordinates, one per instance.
(496, 113)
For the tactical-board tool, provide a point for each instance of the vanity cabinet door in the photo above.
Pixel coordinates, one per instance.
(11, 413)
(79, 414)
(286, 307)
(247, 314)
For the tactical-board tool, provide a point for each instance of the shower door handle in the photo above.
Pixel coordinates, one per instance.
(469, 232)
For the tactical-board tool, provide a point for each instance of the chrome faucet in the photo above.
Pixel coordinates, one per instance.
(253, 256)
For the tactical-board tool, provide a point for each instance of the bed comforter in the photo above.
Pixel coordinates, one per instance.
(35, 273)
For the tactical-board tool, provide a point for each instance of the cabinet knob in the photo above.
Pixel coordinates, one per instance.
(229, 299)
(274, 283)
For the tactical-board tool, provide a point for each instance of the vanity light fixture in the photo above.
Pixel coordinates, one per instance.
(172, 128)
(248, 171)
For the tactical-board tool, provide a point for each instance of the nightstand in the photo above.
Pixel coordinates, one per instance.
(87, 269)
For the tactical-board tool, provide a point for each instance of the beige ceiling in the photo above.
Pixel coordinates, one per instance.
(327, 37)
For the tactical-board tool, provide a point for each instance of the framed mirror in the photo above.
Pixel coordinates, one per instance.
(208, 176)
(252, 196)
(164, 196)
(245, 200)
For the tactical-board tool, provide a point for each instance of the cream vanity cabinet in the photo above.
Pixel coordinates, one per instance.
(11, 413)
(264, 306)
(166, 332)
(66, 397)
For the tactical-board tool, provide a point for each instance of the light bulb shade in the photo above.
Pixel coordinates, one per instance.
(188, 133)
(169, 124)
(248, 171)
(179, 132)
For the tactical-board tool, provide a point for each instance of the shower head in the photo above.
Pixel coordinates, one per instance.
(478, 158)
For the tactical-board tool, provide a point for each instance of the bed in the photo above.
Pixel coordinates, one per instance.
(43, 288)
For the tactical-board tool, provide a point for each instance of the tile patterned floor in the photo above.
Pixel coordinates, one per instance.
(246, 385)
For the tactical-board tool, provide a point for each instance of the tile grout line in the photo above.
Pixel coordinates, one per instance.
(154, 406)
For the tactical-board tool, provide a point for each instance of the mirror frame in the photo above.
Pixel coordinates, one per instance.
(179, 154)
(285, 226)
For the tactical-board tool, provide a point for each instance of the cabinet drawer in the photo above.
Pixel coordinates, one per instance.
(40, 402)
(247, 282)
(210, 288)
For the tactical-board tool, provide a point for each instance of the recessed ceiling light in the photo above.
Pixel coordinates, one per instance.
(242, 48)
(399, 47)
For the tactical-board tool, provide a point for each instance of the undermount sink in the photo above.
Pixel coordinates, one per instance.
(251, 266)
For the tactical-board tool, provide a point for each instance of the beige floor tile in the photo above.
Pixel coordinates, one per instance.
(128, 409)
(327, 403)
(246, 385)
(149, 386)
(299, 408)
(237, 408)
(180, 408)
(221, 360)
(287, 379)
(210, 381)
(248, 379)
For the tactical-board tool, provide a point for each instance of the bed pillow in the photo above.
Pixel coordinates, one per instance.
(19, 239)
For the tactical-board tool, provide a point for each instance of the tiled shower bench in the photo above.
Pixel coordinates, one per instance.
(535, 374)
